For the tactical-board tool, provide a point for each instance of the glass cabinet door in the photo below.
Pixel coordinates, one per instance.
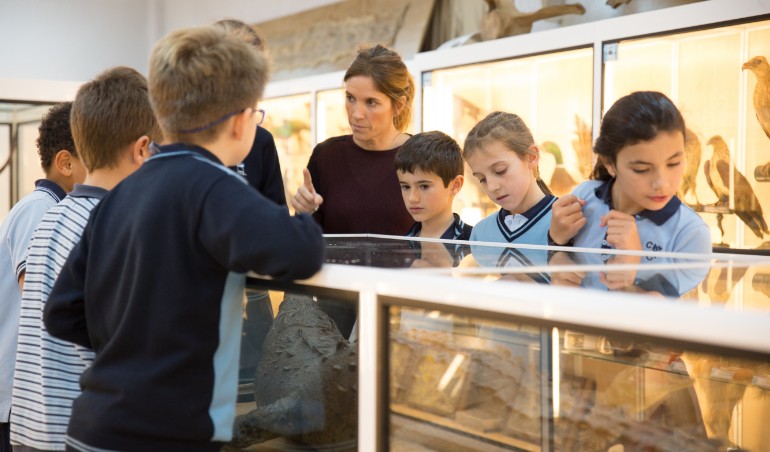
(288, 119)
(552, 93)
(709, 76)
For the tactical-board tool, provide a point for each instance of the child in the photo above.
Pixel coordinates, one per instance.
(502, 154)
(430, 171)
(631, 202)
(111, 120)
(62, 169)
(155, 285)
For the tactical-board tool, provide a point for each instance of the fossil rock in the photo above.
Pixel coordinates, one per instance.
(306, 384)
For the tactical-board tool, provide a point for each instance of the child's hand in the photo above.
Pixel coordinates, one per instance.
(621, 231)
(561, 278)
(306, 200)
(566, 218)
(621, 279)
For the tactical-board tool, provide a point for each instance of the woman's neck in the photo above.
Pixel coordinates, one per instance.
(384, 142)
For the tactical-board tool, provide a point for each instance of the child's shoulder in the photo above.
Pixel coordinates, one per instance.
(587, 188)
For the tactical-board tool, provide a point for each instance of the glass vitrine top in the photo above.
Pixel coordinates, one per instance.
(735, 281)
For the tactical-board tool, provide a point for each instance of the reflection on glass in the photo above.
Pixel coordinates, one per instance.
(305, 389)
(467, 383)
(288, 119)
(556, 108)
(704, 73)
(332, 119)
(647, 396)
(396, 252)
(459, 382)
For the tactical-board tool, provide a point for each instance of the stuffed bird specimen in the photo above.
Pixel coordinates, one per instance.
(761, 69)
(583, 147)
(692, 153)
(503, 19)
(561, 181)
(717, 171)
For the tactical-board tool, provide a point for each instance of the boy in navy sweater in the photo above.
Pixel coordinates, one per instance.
(155, 286)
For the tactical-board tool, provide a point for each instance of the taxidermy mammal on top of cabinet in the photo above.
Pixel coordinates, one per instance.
(503, 19)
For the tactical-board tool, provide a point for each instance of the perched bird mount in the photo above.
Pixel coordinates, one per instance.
(719, 178)
(561, 181)
(692, 153)
(761, 69)
(503, 19)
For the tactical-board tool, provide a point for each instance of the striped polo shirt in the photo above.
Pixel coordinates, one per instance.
(48, 369)
(15, 233)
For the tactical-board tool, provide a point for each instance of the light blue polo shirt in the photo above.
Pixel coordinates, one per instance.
(15, 234)
(675, 228)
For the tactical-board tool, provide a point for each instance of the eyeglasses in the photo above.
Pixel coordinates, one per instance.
(259, 112)
(225, 118)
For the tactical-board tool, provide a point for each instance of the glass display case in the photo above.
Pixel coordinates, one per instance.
(332, 119)
(485, 347)
(288, 119)
(19, 160)
(718, 78)
(557, 109)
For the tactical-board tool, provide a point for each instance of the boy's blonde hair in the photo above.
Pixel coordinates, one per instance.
(110, 112)
(199, 78)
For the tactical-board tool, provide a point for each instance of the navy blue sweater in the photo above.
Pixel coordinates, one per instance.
(155, 288)
(262, 168)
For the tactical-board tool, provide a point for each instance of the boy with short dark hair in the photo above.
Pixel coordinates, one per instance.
(63, 169)
(112, 124)
(155, 286)
(430, 171)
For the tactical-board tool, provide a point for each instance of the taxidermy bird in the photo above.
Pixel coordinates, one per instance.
(561, 181)
(761, 69)
(503, 19)
(717, 171)
(583, 147)
(692, 153)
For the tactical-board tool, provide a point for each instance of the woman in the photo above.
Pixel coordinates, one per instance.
(350, 181)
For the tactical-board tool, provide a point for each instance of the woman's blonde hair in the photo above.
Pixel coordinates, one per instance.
(390, 76)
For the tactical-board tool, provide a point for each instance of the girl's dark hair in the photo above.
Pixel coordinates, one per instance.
(391, 77)
(508, 129)
(637, 117)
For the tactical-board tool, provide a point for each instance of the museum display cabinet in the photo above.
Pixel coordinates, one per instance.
(490, 347)
(560, 81)
(19, 160)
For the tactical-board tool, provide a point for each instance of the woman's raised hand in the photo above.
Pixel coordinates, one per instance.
(306, 200)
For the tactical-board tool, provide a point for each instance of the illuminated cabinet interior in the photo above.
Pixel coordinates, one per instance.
(557, 110)
(702, 73)
(561, 81)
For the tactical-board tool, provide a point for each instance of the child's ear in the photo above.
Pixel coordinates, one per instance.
(457, 184)
(533, 156)
(240, 122)
(140, 150)
(609, 165)
(62, 162)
